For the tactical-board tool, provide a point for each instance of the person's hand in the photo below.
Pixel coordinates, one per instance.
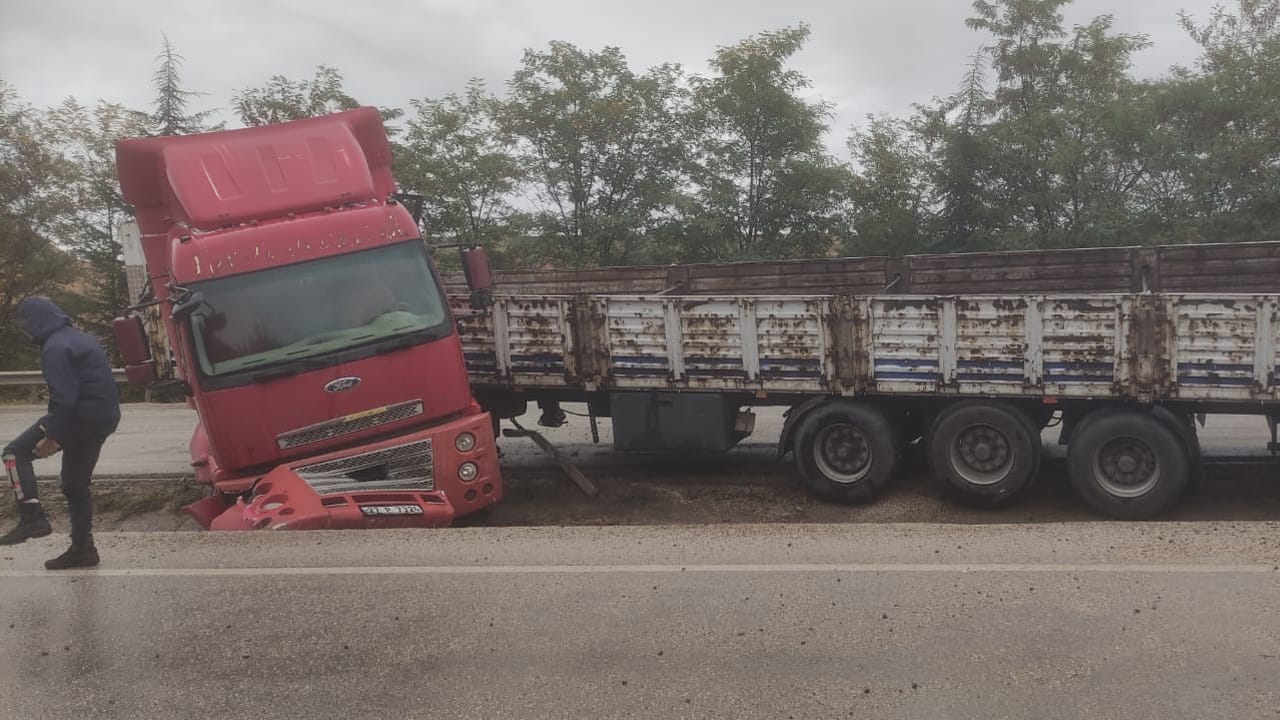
(47, 447)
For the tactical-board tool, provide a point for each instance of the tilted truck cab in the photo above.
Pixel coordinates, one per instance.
(308, 323)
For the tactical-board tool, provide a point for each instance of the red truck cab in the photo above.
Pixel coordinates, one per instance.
(307, 319)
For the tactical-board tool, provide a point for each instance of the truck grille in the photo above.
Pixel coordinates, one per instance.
(402, 466)
(349, 424)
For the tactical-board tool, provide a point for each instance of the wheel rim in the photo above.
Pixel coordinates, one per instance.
(1126, 467)
(842, 453)
(981, 455)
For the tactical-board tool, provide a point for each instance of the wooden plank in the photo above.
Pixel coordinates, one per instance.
(1247, 267)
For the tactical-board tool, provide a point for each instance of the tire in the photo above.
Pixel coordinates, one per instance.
(1128, 465)
(846, 451)
(984, 453)
(1185, 427)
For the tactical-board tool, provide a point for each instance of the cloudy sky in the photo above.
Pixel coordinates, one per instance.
(864, 56)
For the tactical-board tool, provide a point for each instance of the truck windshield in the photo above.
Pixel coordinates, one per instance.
(272, 317)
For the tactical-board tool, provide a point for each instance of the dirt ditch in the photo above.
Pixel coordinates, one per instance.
(664, 493)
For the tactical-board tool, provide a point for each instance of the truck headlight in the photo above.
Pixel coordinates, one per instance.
(465, 442)
(468, 471)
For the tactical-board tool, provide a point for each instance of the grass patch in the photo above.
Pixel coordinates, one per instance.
(118, 499)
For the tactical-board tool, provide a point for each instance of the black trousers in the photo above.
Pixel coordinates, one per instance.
(79, 458)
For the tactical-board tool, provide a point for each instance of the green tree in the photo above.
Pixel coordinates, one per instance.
(963, 167)
(171, 115)
(603, 147)
(282, 99)
(767, 187)
(454, 156)
(32, 202)
(892, 195)
(85, 139)
(1060, 148)
(1216, 152)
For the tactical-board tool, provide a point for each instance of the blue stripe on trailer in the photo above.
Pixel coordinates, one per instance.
(641, 371)
(481, 362)
(1100, 367)
(991, 364)
(1083, 379)
(904, 362)
(640, 359)
(798, 374)
(726, 362)
(1079, 372)
(989, 377)
(1215, 381)
(791, 362)
(1185, 367)
(538, 358)
(909, 376)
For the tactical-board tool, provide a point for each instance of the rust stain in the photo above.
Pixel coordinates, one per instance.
(910, 304)
(1082, 306)
(1010, 305)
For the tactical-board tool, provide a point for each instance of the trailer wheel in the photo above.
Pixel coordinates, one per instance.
(846, 451)
(1128, 465)
(984, 453)
(1185, 427)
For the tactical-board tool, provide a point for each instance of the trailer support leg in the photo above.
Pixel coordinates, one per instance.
(587, 487)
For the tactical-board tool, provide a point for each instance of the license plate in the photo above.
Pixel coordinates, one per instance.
(377, 510)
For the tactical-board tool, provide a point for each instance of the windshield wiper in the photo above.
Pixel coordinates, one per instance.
(276, 374)
(397, 343)
(289, 370)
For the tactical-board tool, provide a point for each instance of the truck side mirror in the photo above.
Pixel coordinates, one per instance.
(475, 266)
(131, 339)
(187, 305)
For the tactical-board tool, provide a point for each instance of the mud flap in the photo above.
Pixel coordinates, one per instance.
(284, 501)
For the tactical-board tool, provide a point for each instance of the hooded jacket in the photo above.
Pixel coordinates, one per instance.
(83, 399)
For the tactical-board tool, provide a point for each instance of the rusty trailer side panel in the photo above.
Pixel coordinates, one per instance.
(1223, 348)
(1143, 347)
(1081, 344)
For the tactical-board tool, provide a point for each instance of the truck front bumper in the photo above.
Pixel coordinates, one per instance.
(447, 476)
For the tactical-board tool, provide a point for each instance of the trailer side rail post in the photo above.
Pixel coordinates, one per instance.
(1264, 348)
(672, 324)
(948, 329)
(1032, 353)
(750, 329)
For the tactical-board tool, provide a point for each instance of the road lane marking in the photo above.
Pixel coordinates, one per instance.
(959, 569)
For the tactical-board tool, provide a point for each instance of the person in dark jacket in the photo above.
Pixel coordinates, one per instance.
(84, 409)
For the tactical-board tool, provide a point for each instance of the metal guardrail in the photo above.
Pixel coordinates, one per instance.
(27, 378)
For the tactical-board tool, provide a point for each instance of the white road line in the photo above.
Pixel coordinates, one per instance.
(644, 570)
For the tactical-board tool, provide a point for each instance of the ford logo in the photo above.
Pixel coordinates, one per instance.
(342, 383)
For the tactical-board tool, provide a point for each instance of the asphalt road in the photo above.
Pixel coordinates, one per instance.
(1106, 620)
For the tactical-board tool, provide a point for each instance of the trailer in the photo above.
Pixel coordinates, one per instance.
(1123, 345)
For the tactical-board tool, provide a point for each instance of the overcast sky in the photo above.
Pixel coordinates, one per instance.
(863, 56)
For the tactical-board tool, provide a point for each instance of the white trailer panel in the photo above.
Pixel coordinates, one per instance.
(1144, 347)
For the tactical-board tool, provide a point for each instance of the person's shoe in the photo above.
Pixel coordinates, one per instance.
(81, 554)
(32, 523)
